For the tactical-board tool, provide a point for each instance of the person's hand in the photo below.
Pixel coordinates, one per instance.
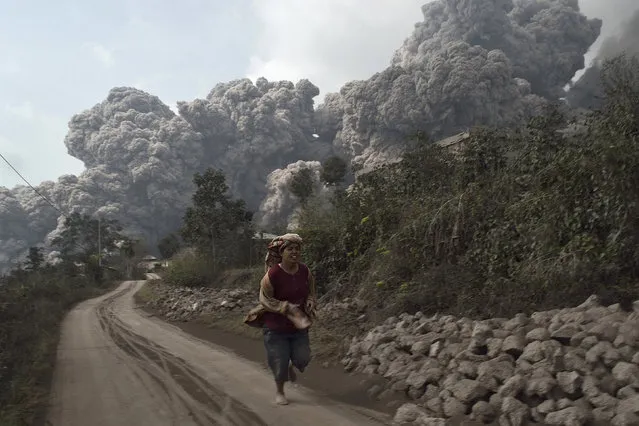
(310, 305)
(292, 308)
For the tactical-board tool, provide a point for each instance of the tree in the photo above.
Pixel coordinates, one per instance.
(131, 252)
(215, 218)
(169, 245)
(35, 259)
(302, 184)
(82, 235)
(333, 170)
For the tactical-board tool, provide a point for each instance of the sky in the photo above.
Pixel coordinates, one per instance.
(60, 58)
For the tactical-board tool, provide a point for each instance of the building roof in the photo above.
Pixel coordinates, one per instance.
(453, 140)
(263, 236)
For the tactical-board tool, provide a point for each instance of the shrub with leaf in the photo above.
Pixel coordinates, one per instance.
(191, 269)
(33, 303)
(517, 220)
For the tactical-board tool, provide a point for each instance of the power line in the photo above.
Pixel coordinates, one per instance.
(31, 186)
(59, 210)
(43, 197)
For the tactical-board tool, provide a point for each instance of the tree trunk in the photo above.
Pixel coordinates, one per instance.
(213, 253)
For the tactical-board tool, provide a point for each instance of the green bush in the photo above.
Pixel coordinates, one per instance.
(192, 270)
(518, 220)
(32, 306)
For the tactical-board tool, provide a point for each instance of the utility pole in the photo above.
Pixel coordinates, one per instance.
(99, 242)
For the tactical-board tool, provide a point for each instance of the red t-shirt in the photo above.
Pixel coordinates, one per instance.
(293, 288)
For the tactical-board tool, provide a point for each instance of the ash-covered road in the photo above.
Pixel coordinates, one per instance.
(118, 366)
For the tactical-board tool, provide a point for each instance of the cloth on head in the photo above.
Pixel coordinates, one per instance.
(276, 246)
(268, 303)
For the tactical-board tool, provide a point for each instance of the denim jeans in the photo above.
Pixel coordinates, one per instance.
(282, 348)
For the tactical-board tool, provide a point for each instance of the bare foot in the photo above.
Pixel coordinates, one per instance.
(281, 399)
(292, 375)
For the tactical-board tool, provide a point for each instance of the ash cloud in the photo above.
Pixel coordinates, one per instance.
(251, 129)
(544, 40)
(490, 62)
(587, 92)
(25, 219)
(140, 158)
(280, 206)
(468, 62)
(14, 233)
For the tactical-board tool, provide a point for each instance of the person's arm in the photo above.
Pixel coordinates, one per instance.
(311, 302)
(268, 300)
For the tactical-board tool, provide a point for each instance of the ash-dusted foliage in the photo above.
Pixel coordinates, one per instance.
(518, 220)
(35, 297)
(32, 306)
(218, 230)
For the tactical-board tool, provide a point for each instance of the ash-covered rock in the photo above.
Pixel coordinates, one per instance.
(572, 366)
(185, 304)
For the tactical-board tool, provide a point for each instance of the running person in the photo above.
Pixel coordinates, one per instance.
(287, 288)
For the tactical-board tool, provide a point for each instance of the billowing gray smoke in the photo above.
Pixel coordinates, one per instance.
(15, 235)
(251, 129)
(587, 92)
(469, 62)
(25, 218)
(139, 157)
(280, 204)
(544, 40)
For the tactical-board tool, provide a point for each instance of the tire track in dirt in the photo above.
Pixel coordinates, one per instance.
(116, 367)
(206, 404)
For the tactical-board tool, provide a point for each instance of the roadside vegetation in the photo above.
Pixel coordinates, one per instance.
(514, 220)
(517, 221)
(35, 297)
(216, 235)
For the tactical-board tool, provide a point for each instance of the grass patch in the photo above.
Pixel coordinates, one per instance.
(32, 309)
(146, 294)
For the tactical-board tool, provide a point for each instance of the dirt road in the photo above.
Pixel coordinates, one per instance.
(117, 366)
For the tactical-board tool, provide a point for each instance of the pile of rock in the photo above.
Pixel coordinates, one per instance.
(571, 366)
(345, 311)
(185, 304)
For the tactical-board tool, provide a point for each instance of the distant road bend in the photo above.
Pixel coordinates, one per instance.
(118, 367)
